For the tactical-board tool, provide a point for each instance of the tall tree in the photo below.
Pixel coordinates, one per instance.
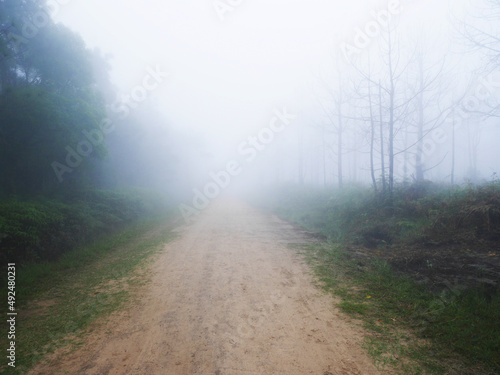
(48, 99)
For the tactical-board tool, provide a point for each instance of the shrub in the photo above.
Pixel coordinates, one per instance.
(422, 212)
(43, 229)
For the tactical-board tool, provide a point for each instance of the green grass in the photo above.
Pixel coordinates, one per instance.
(411, 329)
(422, 213)
(42, 229)
(455, 332)
(57, 301)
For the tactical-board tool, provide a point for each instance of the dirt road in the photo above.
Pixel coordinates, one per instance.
(226, 298)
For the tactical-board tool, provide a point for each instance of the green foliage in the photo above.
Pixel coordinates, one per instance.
(38, 134)
(462, 330)
(61, 60)
(44, 229)
(459, 330)
(470, 324)
(470, 212)
(84, 284)
(416, 214)
(48, 98)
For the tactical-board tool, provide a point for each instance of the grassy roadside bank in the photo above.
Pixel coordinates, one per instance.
(56, 301)
(43, 228)
(410, 329)
(404, 270)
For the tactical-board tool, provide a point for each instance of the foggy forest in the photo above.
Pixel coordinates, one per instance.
(235, 187)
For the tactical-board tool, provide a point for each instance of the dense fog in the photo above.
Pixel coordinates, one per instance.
(209, 96)
(231, 186)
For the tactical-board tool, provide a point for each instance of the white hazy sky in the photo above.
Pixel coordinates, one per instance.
(227, 76)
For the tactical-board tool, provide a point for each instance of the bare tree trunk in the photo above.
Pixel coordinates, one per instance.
(473, 146)
(354, 164)
(372, 139)
(405, 158)
(391, 147)
(453, 151)
(382, 150)
(301, 157)
(324, 155)
(391, 120)
(419, 167)
(339, 148)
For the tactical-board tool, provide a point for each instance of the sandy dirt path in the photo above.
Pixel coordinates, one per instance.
(226, 298)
